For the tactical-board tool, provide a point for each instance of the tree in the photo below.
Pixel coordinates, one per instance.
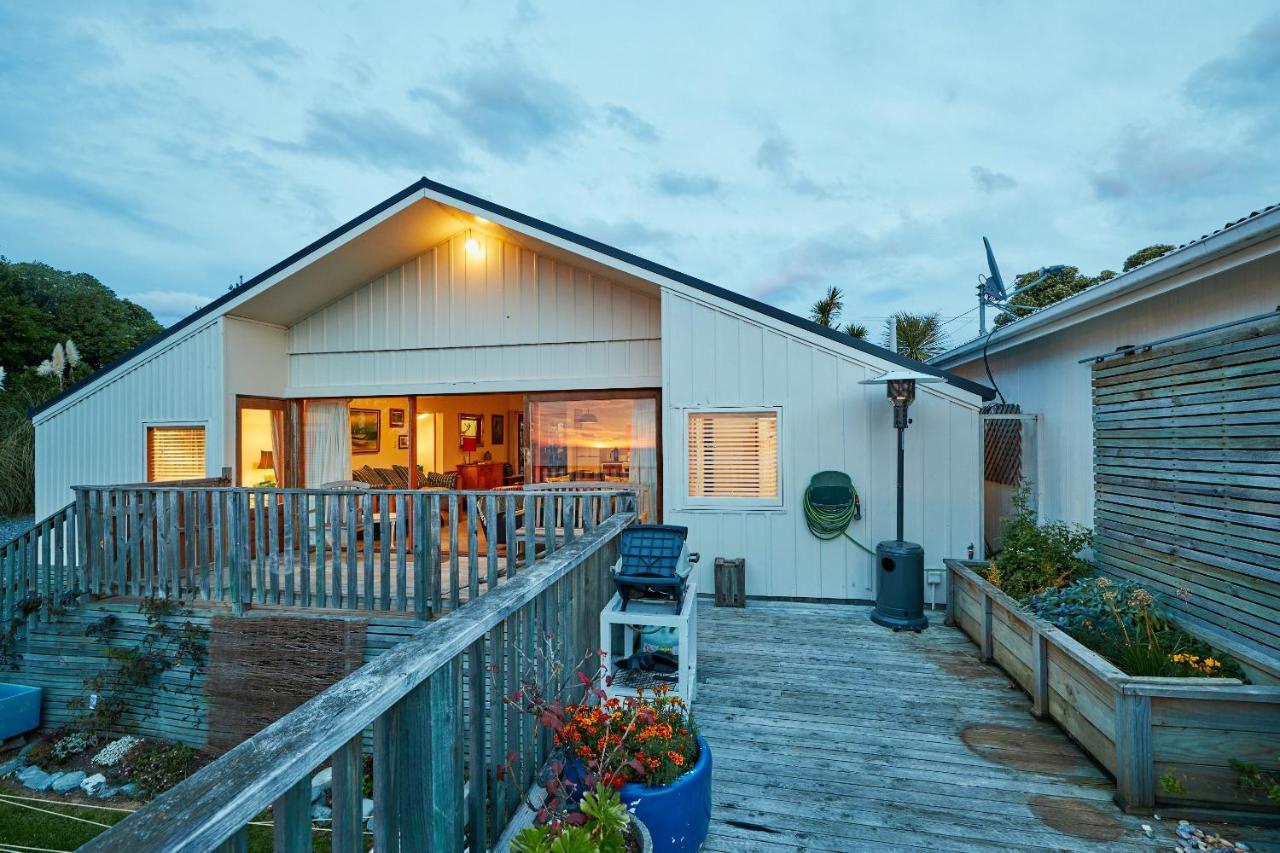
(827, 310)
(856, 330)
(57, 326)
(920, 336)
(1150, 253)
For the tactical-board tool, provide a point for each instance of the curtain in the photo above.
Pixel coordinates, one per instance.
(327, 436)
(644, 456)
(277, 445)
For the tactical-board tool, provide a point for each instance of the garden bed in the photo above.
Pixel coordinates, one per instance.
(1169, 742)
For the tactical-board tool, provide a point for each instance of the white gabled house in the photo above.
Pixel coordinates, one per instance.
(475, 340)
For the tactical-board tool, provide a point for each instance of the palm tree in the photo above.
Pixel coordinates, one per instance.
(856, 330)
(920, 336)
(826, 310)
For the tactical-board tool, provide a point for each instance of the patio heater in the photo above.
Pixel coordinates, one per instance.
(900, 564)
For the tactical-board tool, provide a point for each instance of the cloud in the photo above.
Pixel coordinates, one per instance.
(631, 234)
(990, 180)
(77, 194)
(262, 56)
(1246, 80)
(507, 108)
(623, 119)
(377, 138)
(1159, 162)
(777, 156)
(684, 184)
(169, 306)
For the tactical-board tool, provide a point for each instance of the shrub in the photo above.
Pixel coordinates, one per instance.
(156, 767)
(70, 746)
(1125, 623)
(113, 752)
(1037, 556)
(600, 825)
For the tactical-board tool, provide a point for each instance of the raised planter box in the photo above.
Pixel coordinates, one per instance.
(1140, 729)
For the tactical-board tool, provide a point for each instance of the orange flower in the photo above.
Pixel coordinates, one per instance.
(676, 758)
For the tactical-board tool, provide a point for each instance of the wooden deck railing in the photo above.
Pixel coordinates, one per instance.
(39, 570)
(429, 734)
(408, 551)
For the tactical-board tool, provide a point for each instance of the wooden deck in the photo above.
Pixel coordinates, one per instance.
(831, 733)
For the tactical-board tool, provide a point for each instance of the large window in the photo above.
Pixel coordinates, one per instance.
(175, 453)
(733, 458)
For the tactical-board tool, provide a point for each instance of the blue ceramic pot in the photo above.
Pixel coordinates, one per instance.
(677, 815)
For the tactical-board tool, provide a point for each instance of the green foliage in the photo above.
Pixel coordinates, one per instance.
(1170, 783)
(1125, 623)
(41, 308)
(1256, 781)
(920, 336)
(601, 825)
(156, 767)
(70, 746)
(1035, 556)
(827, 310)
(856, 330)
(1142, 256)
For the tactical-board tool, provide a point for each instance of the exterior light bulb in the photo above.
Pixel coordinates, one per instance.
(472, 245)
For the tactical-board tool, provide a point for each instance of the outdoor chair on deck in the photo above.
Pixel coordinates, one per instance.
(655, 563)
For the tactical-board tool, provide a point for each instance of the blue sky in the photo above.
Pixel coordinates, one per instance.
(774, 149)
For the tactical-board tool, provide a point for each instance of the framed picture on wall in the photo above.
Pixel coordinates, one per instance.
(402, 441)
(395, 418)
(498, 431)
(471, 426)
(366, 430)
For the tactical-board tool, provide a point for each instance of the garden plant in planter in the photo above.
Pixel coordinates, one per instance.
(645, 750)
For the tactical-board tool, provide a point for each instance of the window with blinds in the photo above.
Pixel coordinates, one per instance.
(733, 456)
(175, 453)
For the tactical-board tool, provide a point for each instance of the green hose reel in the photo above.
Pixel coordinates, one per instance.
(830, 504)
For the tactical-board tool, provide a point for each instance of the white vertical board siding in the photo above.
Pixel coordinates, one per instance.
(100, 437)
(257, 364)
(1045, 376)
(510, 320)
(714, 357)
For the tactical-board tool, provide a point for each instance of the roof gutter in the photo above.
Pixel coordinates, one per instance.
(1077, 309)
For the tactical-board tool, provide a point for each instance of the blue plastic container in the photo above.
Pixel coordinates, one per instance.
(677, 815)
(19, 710)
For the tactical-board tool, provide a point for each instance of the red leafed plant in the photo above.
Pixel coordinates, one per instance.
(600, 742)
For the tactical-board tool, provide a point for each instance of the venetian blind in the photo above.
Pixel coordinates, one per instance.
(733, 455)
(175, 453)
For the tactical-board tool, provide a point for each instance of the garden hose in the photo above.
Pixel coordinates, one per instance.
(829, 522)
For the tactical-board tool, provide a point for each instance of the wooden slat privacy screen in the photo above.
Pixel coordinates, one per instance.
(733, 454)
(1187, 470)
(175, 453)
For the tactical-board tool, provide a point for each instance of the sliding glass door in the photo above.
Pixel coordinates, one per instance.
(600, 437)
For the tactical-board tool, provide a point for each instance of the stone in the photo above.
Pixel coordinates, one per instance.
(320, 783)
(366, 809)
(107, 792)
(35, 779)
(94, 784)
(321, 812)
(68, 781)
(10, 766)
(131, 791)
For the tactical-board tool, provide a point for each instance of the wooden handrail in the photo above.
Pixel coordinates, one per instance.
(42, 564)
(397, 550)
(411, 696)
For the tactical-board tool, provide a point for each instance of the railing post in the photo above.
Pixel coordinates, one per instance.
(1135, 768)
(237, 843)
(478, 765)
(291, 819)
(348, 796)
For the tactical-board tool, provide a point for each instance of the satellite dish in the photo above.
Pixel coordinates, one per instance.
(993, 286)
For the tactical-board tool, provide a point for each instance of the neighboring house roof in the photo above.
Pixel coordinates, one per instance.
(215, 307)
(1259, 225)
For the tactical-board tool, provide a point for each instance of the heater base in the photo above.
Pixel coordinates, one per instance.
(900, 623)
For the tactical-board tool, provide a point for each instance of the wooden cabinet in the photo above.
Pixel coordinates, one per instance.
(480, 475)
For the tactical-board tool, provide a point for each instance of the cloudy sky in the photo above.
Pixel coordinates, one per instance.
(774, 149)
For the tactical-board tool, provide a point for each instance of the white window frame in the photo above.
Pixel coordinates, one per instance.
(146, 431)
(723, 504)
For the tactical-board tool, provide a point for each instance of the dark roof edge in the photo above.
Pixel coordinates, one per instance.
(586, 242)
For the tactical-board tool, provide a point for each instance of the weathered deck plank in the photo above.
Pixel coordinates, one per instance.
(831, 733)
